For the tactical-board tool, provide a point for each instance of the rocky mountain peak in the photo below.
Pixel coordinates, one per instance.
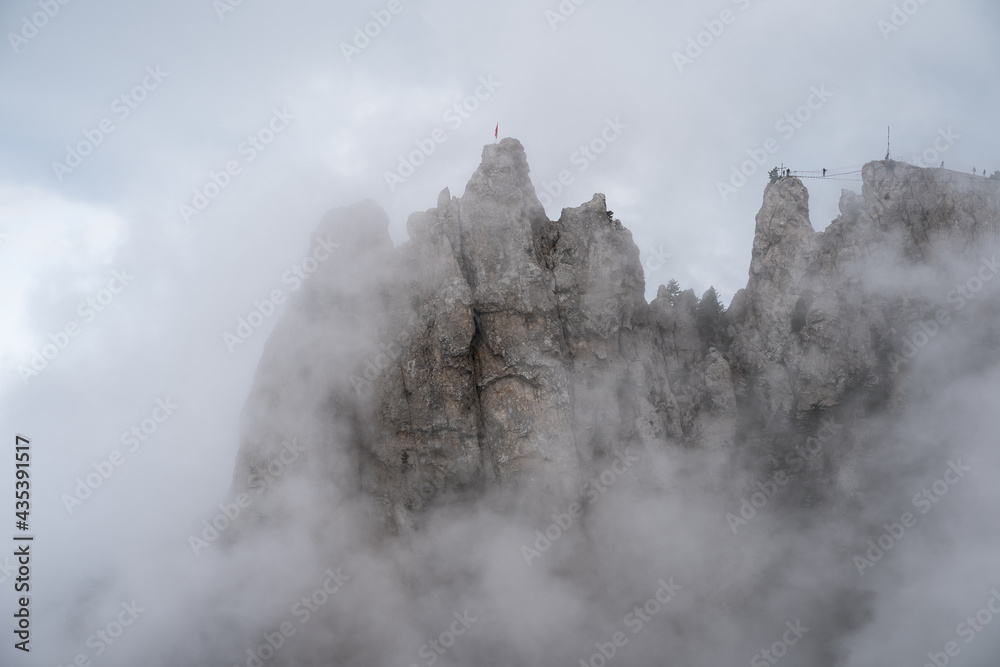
(498, 350)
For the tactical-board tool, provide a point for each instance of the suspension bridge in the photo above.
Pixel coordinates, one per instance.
(851, 173)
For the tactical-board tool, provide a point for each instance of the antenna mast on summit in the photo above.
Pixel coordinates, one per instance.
(888, 145)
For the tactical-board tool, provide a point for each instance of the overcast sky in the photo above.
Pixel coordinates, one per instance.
(182, 85)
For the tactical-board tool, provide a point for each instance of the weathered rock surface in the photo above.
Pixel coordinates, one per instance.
(498, 349)
(823, 325)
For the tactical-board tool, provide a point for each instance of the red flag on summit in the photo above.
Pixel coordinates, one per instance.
(496, 132)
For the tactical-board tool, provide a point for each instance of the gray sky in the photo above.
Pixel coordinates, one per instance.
(555, 85)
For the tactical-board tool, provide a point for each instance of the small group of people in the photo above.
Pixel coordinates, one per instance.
(973, 170)
(775, 174)
(786, 173)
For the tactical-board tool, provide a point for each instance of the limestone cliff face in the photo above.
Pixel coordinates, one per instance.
(498, 349)
(816, 317)
(825, 325)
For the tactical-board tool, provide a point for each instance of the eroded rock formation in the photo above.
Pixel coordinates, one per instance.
(498, 349)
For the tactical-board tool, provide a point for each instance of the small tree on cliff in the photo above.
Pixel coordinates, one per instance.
(673, 291)
(711, 325)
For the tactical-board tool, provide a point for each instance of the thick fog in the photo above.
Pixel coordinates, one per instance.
(163, 169)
